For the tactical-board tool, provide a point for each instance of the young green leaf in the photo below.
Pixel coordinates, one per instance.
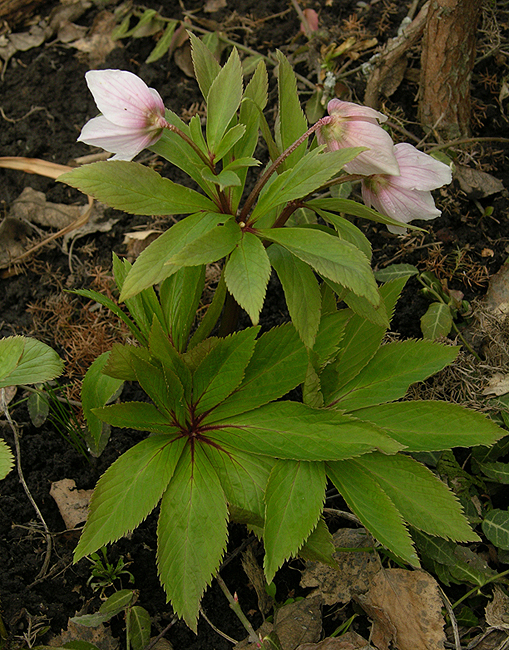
(206, 66)
(152, 266)
(431, 426)
(308, 174)
(211, 316)
(163, 44)
(161, 348)
(244, 479)
(134, 188)
(302, 293)
(222, 370)
(210, 247)
(294, 500)
(6, 459)
(498, 472)
(247, 274)
(278, 364)
(292, 122)
(25, 360)
(128, 491)
(391, 371)
(223, 100)
(395, 271)
(346, 230)
(356, 209)
(191, 533)
(373, 507)
(38, 407)
(230, 138)
(294, 431)
(496, 528)
(137, 623)
(97, 389)
(363, 338)
(180, 296)
(319, 546)
(162, 386)
(137, 415)
(330, 256)
(421, 498)
(437, 321)
(225, 178)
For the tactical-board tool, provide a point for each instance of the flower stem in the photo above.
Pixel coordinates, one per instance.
(268, 173)
(193, 145)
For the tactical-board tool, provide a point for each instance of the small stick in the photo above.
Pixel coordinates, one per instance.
(49, 542)
(216, 629)
(234, 604)
(454, 623)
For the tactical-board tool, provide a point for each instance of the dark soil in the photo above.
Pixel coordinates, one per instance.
(50, 79)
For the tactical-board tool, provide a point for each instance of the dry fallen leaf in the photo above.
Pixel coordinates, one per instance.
(31, 206)
(9, 392)
(355, 570)
(475, 183)
(214, 5)
(497, 296)
(72, 503)
(497, 385)
(349, 641)
(406, 610)
(497, 610)
(99, 636)
(299, 622)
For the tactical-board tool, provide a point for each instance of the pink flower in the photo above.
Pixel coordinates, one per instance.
(407, 196)
(132, 113)
(351, 125)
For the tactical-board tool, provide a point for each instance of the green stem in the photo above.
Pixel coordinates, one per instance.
(191, 143)
(234, 604)
(475, 589)
(270, 170)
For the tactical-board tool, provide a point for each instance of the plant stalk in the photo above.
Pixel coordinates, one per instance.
(234, 604)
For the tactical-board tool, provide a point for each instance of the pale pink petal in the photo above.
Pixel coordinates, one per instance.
(121, 140)
(401, 204)
(123, 98)
(349, 109)
(418, 170)
(379, 159)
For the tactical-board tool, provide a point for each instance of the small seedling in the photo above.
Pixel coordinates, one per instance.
(104, 573)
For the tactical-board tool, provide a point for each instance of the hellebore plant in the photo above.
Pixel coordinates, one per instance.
(223, 443)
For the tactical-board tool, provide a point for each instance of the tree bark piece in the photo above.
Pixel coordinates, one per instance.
(447, 59)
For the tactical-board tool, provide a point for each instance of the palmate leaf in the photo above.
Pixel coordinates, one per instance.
(222, 370)
(392, 369)
(373, 507)
(247, 274)
(244, 480)
(294, 500)
(134, 188)
(302, 292)
(180, 296)
(361, 340)
(151, 266)
(279, 363)
(136, 415)
(191, 533)
(294, 431)
(330, 256)
(423, 425)
(319, 546)
(25, 360)
(128, 491)
(422, 499)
